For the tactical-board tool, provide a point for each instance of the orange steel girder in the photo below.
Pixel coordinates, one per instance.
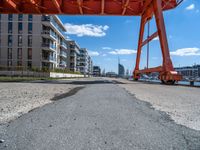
(166, 71)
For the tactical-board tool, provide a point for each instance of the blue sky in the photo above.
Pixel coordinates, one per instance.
(108, 37)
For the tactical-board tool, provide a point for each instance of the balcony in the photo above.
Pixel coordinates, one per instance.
(64, 45)
(73, 54)
(49, 34)
(49, 19)
(63, 54)
(49, 59)
(63, 64)
(49, 46)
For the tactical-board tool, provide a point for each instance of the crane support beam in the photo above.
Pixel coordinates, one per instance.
(33, 2)
(80, 6)
(125, 7)
(102, 7)
(57, 5)
(166, 71)
(151, 37)
(12, 4)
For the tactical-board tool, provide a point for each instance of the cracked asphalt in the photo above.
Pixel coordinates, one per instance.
(100, 116)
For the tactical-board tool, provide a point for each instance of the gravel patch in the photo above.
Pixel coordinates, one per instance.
(181, 103)
(19, 98)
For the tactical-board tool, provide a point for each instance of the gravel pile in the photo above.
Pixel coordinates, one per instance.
(19, 98)
(181, 103)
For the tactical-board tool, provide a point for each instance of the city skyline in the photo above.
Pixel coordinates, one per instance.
(109, 37)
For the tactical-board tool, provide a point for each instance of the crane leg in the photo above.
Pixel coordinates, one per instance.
(167, 74)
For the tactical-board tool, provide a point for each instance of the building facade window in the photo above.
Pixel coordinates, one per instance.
(29, 53)
(29, 64)
(20, 17)
(9, 40)
(9, 53)
(9, 27)
(10, 17)
(20, 27)
(30, 27)
(29, 40)
(0, 23)
(19, 63)
(30, 17)
(9, 63)
(20, 40)
(19, 53)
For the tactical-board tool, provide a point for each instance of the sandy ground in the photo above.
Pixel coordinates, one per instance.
(181, 103)
(19, 98)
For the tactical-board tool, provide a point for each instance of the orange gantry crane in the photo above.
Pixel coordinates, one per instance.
(144, 8)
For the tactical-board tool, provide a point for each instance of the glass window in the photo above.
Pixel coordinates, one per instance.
(10, 17)
(19, 63)
(29, 64)
(9, 63)
(19, 53)
(19, 40)
(29, 40)
(9, 27)
(29, 53)
(9, 53)
(30, 17)
(30, 27)
(20, 27)
(20, 17)
(9, 40)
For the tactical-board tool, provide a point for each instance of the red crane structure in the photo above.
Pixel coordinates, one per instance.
(144, 8)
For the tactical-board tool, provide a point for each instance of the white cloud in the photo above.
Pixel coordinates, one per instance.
(93, 53)
(190, 7)
(186, 52)
(128, 21)
(108, 48)
(156, 38)
(104, 55)
(122, 52)
(86, 30)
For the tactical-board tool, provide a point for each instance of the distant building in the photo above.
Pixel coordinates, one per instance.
(90, 66)
(32, 41)
(96, 71)
(189, 71)
(85, 63)
(73, 52)
(111, 74)
(121, 70)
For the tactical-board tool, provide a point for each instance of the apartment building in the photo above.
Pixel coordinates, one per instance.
(73, 52)
(90, 66)
(32, 41)
(96, 71)
(83, 63)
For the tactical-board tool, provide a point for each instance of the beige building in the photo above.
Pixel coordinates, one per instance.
(32, 41)
(85, 63)
(73, 60)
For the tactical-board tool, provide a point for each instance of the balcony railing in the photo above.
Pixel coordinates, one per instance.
(63, 53)
(49, 32)
(49, 45)
(63, 44)
(50, 58)
(51, 20)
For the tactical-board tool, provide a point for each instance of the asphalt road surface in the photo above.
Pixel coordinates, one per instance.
(100, 116)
